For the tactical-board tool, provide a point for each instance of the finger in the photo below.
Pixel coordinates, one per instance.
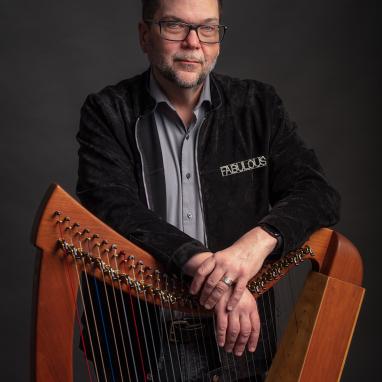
(221, 327)
(238, 291)
(232, 331)
(204, 269)
(255, 332)
(245, 332)
(213, 284)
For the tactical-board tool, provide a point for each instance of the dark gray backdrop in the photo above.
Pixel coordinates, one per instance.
(322, 56)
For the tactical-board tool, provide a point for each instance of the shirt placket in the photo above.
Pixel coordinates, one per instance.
(188, 181)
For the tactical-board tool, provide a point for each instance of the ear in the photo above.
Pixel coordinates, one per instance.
(143, 30)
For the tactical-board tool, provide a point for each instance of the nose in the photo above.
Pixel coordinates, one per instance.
(192, 40)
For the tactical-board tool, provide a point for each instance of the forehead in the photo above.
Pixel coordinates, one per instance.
(189, 10)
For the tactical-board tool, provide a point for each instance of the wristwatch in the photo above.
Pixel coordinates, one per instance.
(274, 232)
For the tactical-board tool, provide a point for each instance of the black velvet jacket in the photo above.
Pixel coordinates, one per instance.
(252, 165)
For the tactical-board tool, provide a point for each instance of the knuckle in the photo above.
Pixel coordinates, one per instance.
(246, 333)
(220, 288)
(233, 333)
(210, 283)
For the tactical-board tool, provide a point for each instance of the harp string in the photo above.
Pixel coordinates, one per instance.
(165, 277)
(187, 364)
(101, 312)
(267, 345)
(292, 297)
(160, 326)
(136, 327)
(93, 313)
(211, 345)
(163, 318)
(203, 337)
(70, 282)
(85, 315)
(273, 321)
(142, 321)
(117, 309)
(109, 312)
(152, 336)
(115, 256)
(105, 333)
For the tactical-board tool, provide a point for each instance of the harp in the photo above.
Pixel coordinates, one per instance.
(319, 334)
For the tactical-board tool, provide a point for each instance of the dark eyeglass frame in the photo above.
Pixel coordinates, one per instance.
(191, 27)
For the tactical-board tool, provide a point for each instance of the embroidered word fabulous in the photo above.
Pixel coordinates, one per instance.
(244, 165)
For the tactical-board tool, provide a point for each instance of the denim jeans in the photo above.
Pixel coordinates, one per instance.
(192, 355)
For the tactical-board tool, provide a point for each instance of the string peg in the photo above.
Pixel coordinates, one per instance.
(114, 246)
(141, 270)
(66, 219)
(104, 242)
(95, 236)
(57, 213)
(76, 225)
(86, 230)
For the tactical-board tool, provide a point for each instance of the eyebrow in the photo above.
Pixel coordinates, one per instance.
(175, 18)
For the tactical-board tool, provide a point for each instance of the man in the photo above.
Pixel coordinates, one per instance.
(204, 171)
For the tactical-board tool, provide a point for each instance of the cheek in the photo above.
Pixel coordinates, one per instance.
(165, 53)
(211, 54)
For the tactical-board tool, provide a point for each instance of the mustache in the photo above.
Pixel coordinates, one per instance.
(188, 58)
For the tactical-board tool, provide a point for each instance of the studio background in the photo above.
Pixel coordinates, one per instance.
(323, 57)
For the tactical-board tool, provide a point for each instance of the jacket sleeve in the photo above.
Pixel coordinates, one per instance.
(108, 187)
(301, 199)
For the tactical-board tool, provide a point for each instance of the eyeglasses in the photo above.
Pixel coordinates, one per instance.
(178, 31)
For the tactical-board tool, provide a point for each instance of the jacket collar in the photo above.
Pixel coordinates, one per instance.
(146, 103)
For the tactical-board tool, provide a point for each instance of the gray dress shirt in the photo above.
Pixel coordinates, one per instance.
(179, 144)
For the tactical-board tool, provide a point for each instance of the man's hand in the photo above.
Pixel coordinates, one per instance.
(239, 262)
(239, 327)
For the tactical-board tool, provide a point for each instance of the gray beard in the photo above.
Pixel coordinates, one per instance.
(172, 76)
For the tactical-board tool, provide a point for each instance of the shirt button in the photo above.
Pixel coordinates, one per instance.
(188, 175)
(187, 136)
(189, 215)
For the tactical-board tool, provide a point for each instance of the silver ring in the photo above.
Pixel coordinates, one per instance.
(226, 280)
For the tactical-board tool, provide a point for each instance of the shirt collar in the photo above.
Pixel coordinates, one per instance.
(157, 93)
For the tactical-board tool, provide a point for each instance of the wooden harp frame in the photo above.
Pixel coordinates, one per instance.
(313, 347)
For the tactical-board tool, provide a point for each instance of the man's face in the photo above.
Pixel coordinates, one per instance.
(185, 63)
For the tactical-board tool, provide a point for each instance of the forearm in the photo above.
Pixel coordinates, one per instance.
(255, 242)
